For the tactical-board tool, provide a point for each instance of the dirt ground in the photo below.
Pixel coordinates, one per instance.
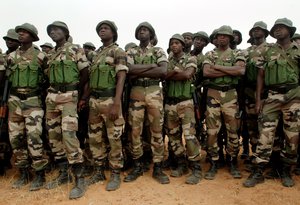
(223, 190)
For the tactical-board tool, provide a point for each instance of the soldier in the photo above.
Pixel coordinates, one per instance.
(46, 47)
(279, 73)
(259, 33)
(179, 110)
(296, 38)
(107, 77)
(223, 66)
(201, 40)
(188, 40)
(25, 68)
(11, 40)
(147, 66)
(237, 39)
(129, 46)
(213, 39)
(88, 47)
(68, 73)
(12, 43)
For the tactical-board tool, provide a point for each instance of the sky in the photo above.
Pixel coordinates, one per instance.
(167, 17)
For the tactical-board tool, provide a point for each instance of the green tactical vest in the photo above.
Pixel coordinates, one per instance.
(281, 71)
(64, 71)
(26, 74)
(146, 59)
(226, 80)
(102, 77)
(251, 72)
(180, 89)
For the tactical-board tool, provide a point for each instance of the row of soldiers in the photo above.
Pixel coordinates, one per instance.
(162, 95)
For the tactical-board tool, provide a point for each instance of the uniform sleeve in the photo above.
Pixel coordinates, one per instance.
(208, 58)
(192, 62)
(2, 62)
(82, 61)
(130, 56)
(120, 60)
(240, 55)
(161, 55)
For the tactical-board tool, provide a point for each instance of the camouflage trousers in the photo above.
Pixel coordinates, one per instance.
(98, 119)
(289, 106)
(252, 121)
(62, 124)
(222, 103)
(182, 115)
(149, 99)
(25, 128)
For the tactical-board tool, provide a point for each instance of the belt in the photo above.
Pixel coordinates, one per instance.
(62, 88)
(104, 93)
(283, 89)
(174, 101)
(24, 96)
(145, 83)
(222, 88)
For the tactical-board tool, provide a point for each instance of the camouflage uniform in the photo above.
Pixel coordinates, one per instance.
(281, 78)
(99, 105)
(146, 97)
(61, 104)
(222, 101)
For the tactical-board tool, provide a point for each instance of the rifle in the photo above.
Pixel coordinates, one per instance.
(3, 104)
(197, 113)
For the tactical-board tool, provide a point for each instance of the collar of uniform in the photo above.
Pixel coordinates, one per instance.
(178, 59)
(293, 45)
(29, 50)
(228, 49)
(102, 47)
(148, 46)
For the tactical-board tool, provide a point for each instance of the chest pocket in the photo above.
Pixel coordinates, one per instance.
(64, 72)
(102, 77)
(25, 74)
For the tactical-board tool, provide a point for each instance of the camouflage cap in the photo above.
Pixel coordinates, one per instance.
(11, 34)
(112, 25)
(179, 37)
(147, 25)
(36, 47)
(226, 30)
(154, 41)
(89, 44)
(250, 40)
(286, 22)
(187, 34)
(130, 45)
(213, 35)
(49, 45)
(203, 35)
(61, 25)
(262, 25)
(30, 28)
(70, 39)
(239, 34)
(296, 36)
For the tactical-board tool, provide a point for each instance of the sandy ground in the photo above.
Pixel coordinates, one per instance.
(223, 190)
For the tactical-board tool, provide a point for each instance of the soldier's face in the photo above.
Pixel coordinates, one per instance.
(223, 40)
(258, 33)
(176, 46)
(281, 31)
(105, 32)
(46, 49)
(188, 40)
(199, 43)
(10, 43)
(57, 34)
(144, 34)
(25, 36)
(87, 49)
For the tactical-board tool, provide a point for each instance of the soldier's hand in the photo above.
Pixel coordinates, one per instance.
(114, 112)
(258, 106)
(81, 105)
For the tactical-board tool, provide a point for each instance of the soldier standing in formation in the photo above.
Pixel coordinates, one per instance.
(147, 66)
(107, 78)
(223, 67)
(25, 68)
(68, 73)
